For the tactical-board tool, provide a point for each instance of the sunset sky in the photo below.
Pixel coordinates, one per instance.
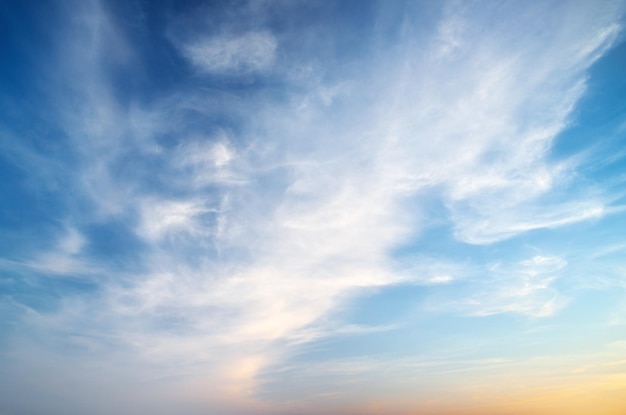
(290, 207)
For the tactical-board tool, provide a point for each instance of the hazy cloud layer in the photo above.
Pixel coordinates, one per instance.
(207, 230)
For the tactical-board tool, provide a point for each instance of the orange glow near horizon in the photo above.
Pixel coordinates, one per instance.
(603, 394)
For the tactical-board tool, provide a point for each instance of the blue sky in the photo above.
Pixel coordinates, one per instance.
(292, 207)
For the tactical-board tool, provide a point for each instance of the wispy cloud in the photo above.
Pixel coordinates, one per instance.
(232, 54)
(261, 210)
(524, 287)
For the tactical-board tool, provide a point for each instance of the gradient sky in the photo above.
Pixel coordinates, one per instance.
(312, 207)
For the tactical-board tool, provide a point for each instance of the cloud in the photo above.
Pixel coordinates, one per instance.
(209, 161)
(163, 218)
(261, 211)
(232, 54)
(525, 287)
(478, 228)
(64, 259)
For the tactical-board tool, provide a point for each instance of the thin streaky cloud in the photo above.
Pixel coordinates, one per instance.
(243, 194)
(226, 54)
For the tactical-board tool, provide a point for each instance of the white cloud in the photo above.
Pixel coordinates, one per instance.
(524, 287)
(490, 227)
(248, 249)
(62, 259)
(474, 135)
(72, 242)
(162, 218)
(232, 54)
(209, 161)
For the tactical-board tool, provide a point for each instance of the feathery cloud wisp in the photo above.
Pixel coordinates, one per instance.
(225, 221)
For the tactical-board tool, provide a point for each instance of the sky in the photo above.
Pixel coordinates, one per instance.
(291, 207)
